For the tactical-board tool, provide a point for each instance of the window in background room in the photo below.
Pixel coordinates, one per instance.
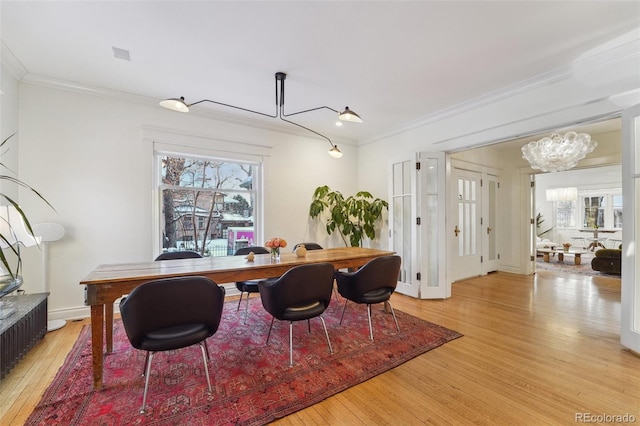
(207, 204)
(565, 214)
(594, 212)
(602, 210)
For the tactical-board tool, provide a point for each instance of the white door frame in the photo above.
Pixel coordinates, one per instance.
(630, 287)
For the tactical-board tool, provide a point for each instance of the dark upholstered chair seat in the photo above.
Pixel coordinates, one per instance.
(179, 336)
(184, 254)
(303, 312)
(376, 296)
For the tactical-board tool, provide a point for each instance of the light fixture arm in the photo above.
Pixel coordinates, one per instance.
(178, 104)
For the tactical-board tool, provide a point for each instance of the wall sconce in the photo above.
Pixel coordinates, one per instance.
(179, 104)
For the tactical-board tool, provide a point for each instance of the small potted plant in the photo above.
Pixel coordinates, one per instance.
(565, 246)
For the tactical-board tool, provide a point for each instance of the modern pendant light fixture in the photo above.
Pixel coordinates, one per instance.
(179, 104)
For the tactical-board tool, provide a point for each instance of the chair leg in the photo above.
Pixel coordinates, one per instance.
(370, 327)
(270, 327)
(290, 343)
(206, 348)
(205, 354)
(394, 316)
(240, 300)
(146, 382)
(246, 309)
(326, 334)
(146, 362)
(343, 309)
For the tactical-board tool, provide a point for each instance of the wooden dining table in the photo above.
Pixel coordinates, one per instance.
(107, 283)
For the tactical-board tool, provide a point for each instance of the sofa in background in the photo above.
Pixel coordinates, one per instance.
(608, 261)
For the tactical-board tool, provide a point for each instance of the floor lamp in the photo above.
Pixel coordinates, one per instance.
(49, 232)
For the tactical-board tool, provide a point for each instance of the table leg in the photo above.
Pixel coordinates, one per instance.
(97, 326)
(560, 257)
(577, 258)
(545, 257)
(108, 319)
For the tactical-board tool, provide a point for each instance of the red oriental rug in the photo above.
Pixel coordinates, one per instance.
(252, 383)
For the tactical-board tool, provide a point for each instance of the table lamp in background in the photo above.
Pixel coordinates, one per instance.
(49, 232)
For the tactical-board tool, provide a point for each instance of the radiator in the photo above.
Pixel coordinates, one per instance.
(23, 329)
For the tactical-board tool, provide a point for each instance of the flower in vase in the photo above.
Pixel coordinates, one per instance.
(276, 243)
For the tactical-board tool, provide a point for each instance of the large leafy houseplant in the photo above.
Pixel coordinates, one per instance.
(5, 199)
(353, 217)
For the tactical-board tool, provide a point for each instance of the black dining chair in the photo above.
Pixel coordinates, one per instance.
(375, 282)
(302, 293)
(308, 246)
(249, 286)
(183, 254)
(169, 314)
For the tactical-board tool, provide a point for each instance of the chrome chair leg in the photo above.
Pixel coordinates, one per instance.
(246, 309)
(290, 343)
(370, 327)
(240, 300)
(205, 353)
(343, 309)
(394, 316)
(146, 362)
(206, 348)
(146, 382)
(269, 333)
(326, 334)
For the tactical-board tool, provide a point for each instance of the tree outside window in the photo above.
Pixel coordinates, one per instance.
(202, 199)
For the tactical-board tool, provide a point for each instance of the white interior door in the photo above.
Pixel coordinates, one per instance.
(433, 194)
(403, 224)
(630, 297)
(489, 231)
(465, 227)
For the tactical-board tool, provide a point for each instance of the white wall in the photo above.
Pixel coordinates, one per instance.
(86, 155)
(8, 126)
(599, 85)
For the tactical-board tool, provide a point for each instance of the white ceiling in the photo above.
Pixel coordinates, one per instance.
(392, 62)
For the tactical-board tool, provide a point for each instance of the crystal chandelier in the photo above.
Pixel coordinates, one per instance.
(556, 153)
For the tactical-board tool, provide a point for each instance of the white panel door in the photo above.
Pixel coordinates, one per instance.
(465, 228)
(630, 297)
(489, 231)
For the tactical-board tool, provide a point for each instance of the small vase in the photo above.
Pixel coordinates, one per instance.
(275, 253)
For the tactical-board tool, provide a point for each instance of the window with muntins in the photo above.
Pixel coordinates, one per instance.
(207, 204)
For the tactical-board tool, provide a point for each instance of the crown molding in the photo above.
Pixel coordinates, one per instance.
(626, 50)
(12, 64)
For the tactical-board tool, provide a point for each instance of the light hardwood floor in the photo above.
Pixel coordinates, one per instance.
(537, 350)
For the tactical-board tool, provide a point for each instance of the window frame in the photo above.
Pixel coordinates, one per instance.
(189, 152)
(579, 208)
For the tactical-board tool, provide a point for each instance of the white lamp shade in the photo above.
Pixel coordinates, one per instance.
(48, 231)
(13, 229)
(562, 194)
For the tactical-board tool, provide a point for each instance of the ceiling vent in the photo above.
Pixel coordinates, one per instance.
(121, 53)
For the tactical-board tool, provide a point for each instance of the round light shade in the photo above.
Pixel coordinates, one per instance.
(348, 115)
(48, 231)
(175, 104)
(335, 152)
(14, 230)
